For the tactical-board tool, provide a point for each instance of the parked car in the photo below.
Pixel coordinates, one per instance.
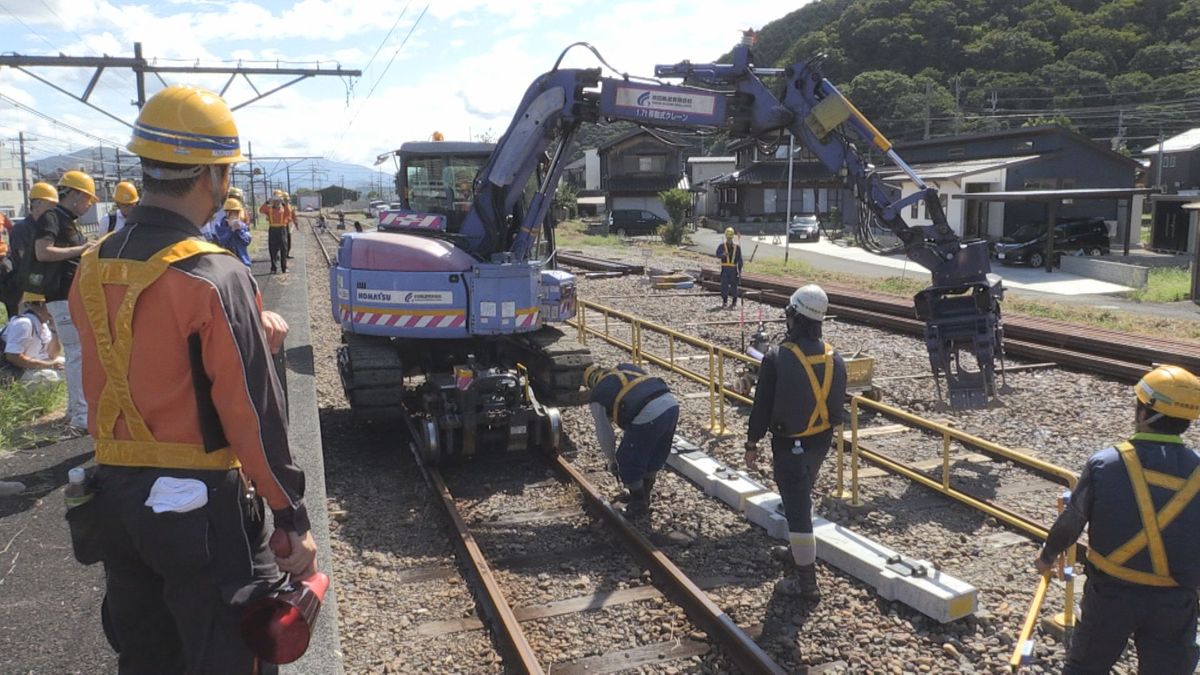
(310, 207)
(633, 222)
(1028, 244)
(804, 228)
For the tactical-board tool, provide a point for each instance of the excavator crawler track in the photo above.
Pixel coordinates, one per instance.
(373, 378)
(556, 364)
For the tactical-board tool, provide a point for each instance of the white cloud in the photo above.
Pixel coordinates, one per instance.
(464, 69)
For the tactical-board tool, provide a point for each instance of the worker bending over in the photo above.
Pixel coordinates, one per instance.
(1138, 501)
(187, 413)
(801, 384)
(32, 353)
(644, 409)
(729, 253)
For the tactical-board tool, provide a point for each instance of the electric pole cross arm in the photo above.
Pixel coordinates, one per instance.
(141, 66)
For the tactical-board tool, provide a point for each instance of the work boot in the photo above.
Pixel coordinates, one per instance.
(801, 583)
(638, 506)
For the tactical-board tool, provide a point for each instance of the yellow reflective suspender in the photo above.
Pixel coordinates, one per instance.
(627, 386)
(114, 352)
(729, 260)
(819, 421)
(1152, 523)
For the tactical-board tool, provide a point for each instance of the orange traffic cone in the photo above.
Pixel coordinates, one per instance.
(278, 627)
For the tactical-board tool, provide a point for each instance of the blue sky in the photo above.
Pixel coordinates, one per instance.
(461, 71)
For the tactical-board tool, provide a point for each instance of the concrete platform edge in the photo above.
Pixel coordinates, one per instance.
(289, 297)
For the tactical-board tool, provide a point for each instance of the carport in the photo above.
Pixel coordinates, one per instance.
(1053, 199)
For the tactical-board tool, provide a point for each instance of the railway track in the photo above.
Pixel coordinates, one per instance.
(1118, 355)
(588, 551)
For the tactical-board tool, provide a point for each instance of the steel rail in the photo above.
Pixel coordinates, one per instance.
(675, 584)
(519, 655)
(1143, 350)
(1124, 371)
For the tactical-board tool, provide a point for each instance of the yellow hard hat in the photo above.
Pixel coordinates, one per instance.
(232, 204)
(43, 191)
(235, 192)
(78, 180)
(125, 194)
(186, 125)
(32, 297)
(729, 233)
(437, 136)
(1170, 390)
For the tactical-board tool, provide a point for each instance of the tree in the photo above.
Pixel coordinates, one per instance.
(678, 203)
(1056, 120)
(1013, 50)
(566, 201)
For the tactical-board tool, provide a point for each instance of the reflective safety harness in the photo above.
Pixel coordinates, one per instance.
(628, 382)
(1153, 523)
(819, 421)
(729, 257)
(114, 348)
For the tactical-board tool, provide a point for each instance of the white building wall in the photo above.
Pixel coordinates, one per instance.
(12, 199)
(956, 209)
(591, 169)
(704, 171)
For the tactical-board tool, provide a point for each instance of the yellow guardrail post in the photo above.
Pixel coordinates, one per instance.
(946, 461)
(606, 324)
(581, 322)
(671, 350)
(1064, 621)
(854, 500)
(841, 461)
(635, 339)
(712, 400)
(1023, 652)
(721, 390)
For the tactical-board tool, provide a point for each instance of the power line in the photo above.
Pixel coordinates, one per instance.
(386, 37)
(52, 120)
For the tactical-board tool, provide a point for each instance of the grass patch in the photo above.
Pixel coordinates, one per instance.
(1165, 284)
(574, 233)
(775, 267)
(19, 407)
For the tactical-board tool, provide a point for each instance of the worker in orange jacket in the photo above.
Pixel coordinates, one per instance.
(279, 215)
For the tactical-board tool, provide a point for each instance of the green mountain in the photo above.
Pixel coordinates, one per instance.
(1122, 68)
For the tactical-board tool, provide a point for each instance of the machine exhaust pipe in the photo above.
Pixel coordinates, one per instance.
(277, 628)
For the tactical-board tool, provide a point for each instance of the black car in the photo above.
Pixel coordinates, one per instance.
(1028, 244)
(633, 222)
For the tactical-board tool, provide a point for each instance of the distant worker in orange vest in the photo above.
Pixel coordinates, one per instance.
(729, 252)
(279, 215)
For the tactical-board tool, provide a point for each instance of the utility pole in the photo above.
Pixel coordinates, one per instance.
(139, 74)
(24, 178)
(1158, 177)
(119, 165)
(787, 223)
(253, 207)
(288, 172)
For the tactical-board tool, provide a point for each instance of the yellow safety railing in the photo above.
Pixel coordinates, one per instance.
(638, 329)
(949, 435)
(713, 379)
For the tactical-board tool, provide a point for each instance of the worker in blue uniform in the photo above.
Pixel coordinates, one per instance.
(644, 409)
(1138, 501)
(729, 253)
(801, 385)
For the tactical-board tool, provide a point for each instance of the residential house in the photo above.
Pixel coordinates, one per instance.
(1035, 158)
(636, 166)
(1173, 226)
(583, 175)
(757, 190)
(701, 173)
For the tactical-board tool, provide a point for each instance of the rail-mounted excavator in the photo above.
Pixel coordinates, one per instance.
(448, 310)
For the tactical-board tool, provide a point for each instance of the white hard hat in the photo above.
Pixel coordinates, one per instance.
(809, 301)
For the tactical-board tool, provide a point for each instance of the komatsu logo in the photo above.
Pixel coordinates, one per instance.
(405, 297)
